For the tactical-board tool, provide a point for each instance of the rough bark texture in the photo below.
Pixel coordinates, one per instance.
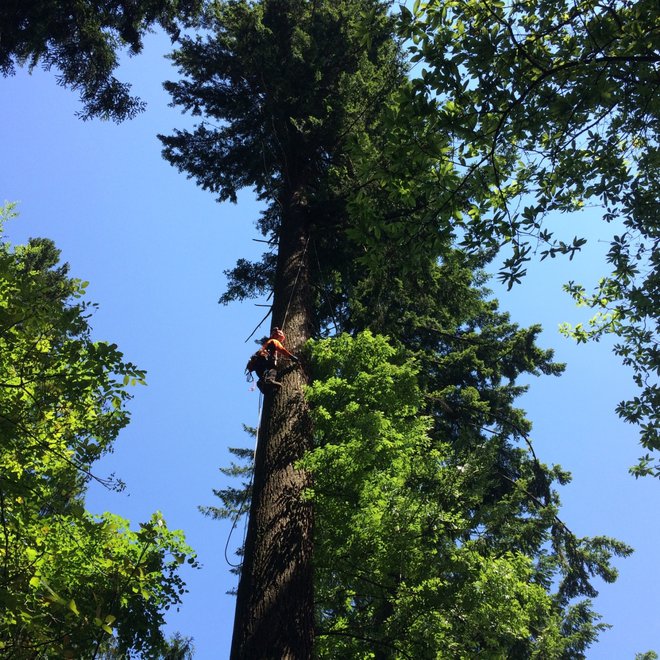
(274, 608)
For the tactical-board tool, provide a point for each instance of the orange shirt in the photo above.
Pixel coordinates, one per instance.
(274, 346)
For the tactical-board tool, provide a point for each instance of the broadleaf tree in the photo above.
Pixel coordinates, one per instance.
(553, 107)
(429, 545)
(72, 584)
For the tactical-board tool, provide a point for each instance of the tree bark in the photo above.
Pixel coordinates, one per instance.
(274, 606)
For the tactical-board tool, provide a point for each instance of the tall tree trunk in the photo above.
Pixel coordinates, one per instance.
(274, 607)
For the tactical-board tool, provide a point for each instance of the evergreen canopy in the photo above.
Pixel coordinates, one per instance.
(82, 40)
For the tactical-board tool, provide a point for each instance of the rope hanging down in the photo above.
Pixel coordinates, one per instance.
(295, 282)
(241, 510)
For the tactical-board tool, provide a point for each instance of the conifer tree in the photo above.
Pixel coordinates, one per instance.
(288, 81)
(439, 530)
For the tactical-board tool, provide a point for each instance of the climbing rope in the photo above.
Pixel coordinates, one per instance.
(293, 289)
(241, 510)
(295, 282)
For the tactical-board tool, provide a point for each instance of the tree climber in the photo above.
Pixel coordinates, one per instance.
(264, 361)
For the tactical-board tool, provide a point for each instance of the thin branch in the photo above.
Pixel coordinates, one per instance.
(270, 311)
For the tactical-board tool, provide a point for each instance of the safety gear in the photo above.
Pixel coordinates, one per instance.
(274, 348)
(257, 362)
(264, 362)
(278, 334)
(268, 381)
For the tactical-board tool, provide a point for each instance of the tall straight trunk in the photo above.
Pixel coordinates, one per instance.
(274, 607)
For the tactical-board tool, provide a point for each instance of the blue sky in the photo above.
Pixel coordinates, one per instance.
(153, 247)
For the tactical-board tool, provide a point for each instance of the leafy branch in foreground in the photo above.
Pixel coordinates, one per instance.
(72, 584)
(547, 108)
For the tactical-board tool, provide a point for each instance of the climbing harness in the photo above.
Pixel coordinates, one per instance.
(255, 361)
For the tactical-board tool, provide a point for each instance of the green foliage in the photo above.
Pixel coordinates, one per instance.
(176, 647)
(82, 39)
(550, 107)
(419, 551)
(68, 579)
(237, 500)
(437, 528)
(279, 83)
